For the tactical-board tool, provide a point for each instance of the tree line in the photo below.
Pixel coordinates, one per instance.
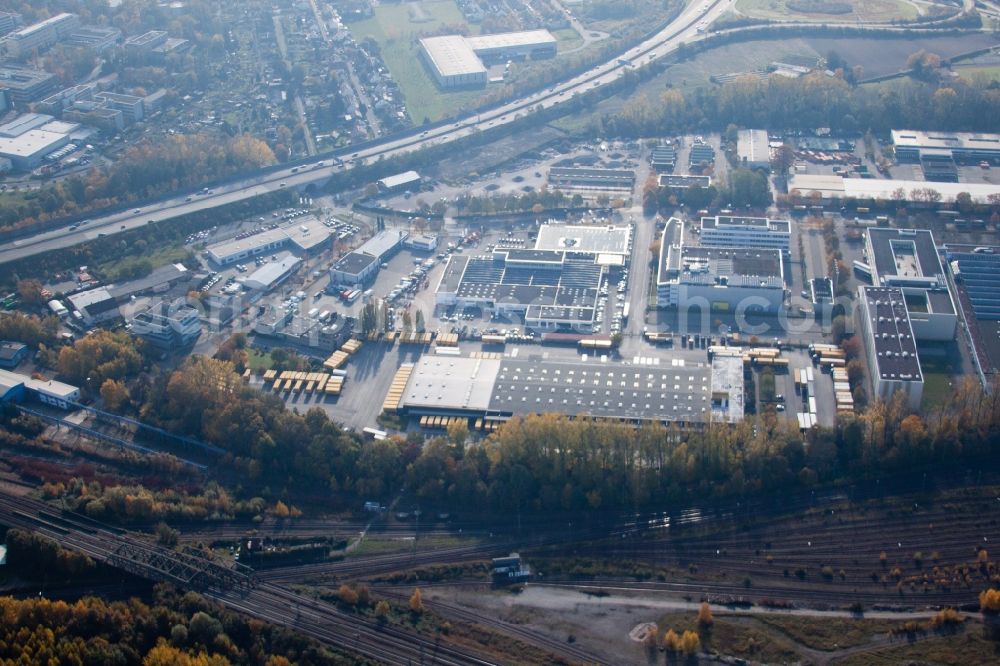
(174, 630)
(807, 102)
(146, 170)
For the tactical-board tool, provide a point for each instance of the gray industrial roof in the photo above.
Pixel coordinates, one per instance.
(353, 263)
(906, 253)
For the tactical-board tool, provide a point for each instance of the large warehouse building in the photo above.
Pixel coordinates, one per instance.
(968, 147)
(835, 189)
(499, 388)
(549, 289)
(554, 286)
(908, 259)
(753, 149)
(891, 344)
(460, 62)
(717, 278)
(976, 269)
(607, 245)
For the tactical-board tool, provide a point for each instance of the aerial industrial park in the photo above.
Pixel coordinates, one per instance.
(467, 332)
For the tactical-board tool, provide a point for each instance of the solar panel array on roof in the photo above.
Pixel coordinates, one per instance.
(979, 272)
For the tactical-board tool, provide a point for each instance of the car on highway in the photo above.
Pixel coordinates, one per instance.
(282, 184)
(137, 210)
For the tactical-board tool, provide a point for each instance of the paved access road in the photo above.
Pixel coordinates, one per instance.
(682, 29)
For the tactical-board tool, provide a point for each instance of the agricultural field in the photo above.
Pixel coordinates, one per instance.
(397, 29)
(829, 11)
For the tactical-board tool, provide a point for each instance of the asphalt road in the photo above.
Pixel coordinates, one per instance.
(682, 29)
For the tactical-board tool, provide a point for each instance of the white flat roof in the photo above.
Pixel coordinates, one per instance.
(31, 143)
(90, 297)
(47, 386)
(451, 55)
(946, 140)
(231, 247)
(876, 188)
(266, 275)
(400, 179)
(510, 39)
(595, 239)
(451, 382)
(314, 234)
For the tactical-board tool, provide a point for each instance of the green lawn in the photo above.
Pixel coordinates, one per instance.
(258, 360)
(940, 374)
(880, 11)
(735, 58)
(398, 37)
(127, 266)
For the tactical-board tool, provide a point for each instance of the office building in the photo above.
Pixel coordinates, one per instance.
(890, 344)
(97, 39)
(23, 85)
(131, 106)
(141, 46)
(168, 325)
(749, 232)
(9, 22)
(908, 259)
(40, 36)
(717, 278)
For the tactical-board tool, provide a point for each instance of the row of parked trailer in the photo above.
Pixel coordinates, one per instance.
(827, 356)
(309, 383)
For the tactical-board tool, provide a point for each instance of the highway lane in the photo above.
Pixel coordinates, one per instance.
(684, 28)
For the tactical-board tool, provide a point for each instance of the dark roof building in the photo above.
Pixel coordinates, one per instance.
(890, 344)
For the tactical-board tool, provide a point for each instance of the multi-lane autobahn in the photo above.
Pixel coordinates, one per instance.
(688, 27)
(684, 28)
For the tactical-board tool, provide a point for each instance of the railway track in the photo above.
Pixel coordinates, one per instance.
(323, 621)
